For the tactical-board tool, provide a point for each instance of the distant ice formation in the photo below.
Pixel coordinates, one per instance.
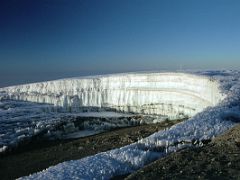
(176, 95)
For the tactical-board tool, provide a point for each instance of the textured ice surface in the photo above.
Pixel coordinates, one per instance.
(211, 96)
(21, 120)
(172, 94)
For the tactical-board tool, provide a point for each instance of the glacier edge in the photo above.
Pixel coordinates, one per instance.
(176, 95)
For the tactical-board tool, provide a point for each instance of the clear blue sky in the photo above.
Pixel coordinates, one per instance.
(49, 39)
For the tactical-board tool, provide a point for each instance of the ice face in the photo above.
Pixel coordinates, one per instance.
(207, 124)
(173, 94)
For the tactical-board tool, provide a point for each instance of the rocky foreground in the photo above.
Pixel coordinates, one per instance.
(219, 159)
(39, 155)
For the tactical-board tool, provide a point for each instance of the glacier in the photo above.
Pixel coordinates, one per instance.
(173, 94)
(210, 98)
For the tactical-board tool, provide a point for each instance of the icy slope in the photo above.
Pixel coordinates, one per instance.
(207, 124)
(173, 94)
(22, 121)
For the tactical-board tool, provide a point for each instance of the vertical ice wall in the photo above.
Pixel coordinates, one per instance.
(172, 94)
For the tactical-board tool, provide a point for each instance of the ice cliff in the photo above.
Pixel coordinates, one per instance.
(176, 95)
(212, 98)
(205, 125)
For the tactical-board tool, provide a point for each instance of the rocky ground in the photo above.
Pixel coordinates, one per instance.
(219, 159)
(39, 155)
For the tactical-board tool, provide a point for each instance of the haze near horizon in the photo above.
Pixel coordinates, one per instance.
(49, 39)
